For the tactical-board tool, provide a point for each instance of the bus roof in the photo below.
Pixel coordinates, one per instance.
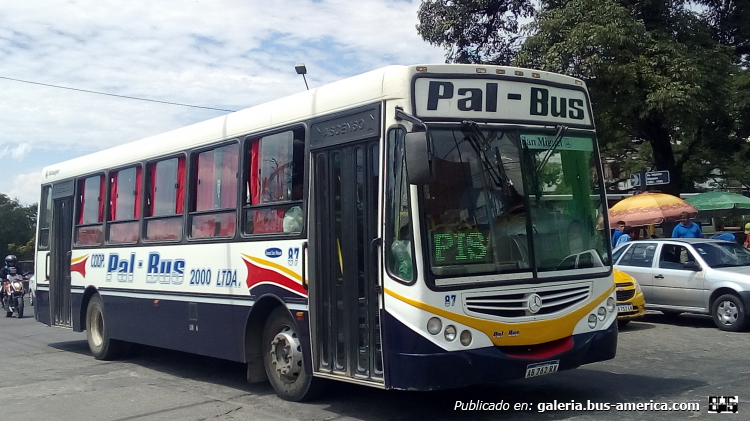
(391, 82)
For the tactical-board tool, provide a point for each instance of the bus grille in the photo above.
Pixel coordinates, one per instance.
(515, 304)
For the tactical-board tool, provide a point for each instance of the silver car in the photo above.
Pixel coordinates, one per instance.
(691, 275)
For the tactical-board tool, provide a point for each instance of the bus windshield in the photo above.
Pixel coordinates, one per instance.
(514, 201)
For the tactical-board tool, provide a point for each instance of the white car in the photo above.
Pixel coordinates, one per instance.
(691, 275)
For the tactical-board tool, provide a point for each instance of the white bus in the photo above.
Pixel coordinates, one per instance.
(406, 228)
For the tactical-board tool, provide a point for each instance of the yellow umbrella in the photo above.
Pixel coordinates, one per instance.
(648, 209)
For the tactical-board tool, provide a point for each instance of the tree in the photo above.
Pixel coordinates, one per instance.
(17, 228)
(661, 76)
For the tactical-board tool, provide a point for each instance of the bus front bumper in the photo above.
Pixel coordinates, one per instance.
(414, 363)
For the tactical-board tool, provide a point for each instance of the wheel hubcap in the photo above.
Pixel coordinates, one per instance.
(286, 354)
(727, 313)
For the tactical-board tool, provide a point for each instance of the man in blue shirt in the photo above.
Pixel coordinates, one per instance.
(625, 237)
(617, 233)
(687, 229)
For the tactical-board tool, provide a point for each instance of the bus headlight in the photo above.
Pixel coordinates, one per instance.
(434, 325)
(592, 321)
(465, 338)
(602, 314)
(450, 333)
(610, 304)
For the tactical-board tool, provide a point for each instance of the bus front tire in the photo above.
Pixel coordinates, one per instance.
(97, 334)
(284, 358)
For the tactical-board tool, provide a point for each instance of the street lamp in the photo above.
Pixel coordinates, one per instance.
(302, 70)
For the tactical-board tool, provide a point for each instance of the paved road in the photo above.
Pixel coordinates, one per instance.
(48, 374)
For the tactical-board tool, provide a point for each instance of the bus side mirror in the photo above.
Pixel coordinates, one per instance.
(418, 158)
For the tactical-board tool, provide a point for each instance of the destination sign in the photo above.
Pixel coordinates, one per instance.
(566, 143)
(500, 99)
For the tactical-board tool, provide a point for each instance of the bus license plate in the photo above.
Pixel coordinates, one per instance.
(538, 369)
(624, 308)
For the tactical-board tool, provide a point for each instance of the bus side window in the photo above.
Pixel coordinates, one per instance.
(90, 211)
(124, 205)
(400, 254)
(165, 199)
(214, 195)
(275, 183)
(45, 218)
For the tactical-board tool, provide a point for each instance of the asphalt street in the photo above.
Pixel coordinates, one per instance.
(48, 374)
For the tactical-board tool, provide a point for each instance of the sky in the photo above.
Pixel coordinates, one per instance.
(225, 54)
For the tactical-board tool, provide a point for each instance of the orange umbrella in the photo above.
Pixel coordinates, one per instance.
(648, 209)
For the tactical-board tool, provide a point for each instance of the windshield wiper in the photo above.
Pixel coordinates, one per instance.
(558, 138)
(482, 147)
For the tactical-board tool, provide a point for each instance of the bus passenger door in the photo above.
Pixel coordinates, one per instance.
(344, 266)
(60, 247)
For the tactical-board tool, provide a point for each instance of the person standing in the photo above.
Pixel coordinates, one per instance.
(687, 229)
(747, 235)
(625, 237)
(617, 232)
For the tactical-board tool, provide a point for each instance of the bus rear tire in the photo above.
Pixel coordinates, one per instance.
(284, 359)
(97, 333)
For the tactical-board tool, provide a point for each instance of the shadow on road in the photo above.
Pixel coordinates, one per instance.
(684, 319)
(579, 386)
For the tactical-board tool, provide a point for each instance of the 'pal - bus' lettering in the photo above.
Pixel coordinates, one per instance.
(485, 99)
(164, 271)
(123, 267)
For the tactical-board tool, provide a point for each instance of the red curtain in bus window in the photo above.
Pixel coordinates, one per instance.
(102, 184)
(180, 185)
(229, 166)
(137, 209)
(204, 188)
(228, 223)
(254, 168)
(152, 188)
(113, 198)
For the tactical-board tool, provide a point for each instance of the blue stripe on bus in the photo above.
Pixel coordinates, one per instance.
(415, 363)
(219, 330)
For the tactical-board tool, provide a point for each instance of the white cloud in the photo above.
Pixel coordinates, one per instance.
(228, 54)
(25, 188)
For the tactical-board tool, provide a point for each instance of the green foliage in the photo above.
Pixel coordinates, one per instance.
(667, 85)
(17, 228)
(474, 31)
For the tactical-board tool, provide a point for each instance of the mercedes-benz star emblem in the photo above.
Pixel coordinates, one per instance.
(535, 303)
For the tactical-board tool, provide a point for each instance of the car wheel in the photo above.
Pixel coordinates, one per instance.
(729, 313)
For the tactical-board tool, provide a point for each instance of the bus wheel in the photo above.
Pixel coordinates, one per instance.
(283, 358)
(729, 313)
(97, 334)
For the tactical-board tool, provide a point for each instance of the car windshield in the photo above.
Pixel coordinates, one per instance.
(509, 201)
(722, 255)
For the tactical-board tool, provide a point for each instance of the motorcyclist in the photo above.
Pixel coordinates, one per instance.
(10, 262)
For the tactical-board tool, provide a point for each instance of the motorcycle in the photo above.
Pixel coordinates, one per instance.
(13, 292)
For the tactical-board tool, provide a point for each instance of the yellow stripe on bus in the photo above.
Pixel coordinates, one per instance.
(529, 333)
(276, 266)
(78, 259)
